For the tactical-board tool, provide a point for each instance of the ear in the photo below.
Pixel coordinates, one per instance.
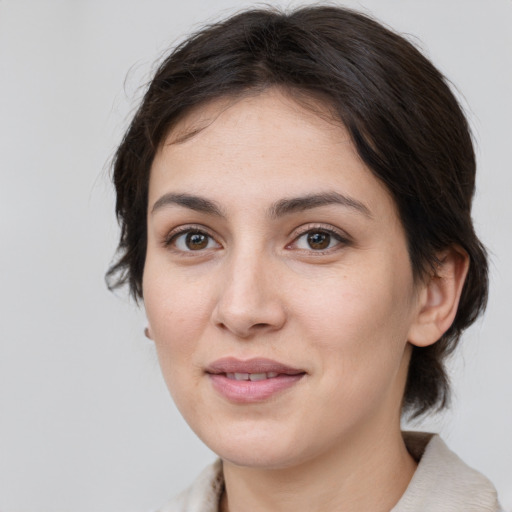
(439, 297)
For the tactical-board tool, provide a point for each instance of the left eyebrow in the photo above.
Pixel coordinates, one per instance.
(298, 204)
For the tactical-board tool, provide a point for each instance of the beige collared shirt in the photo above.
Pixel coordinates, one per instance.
(441, 483)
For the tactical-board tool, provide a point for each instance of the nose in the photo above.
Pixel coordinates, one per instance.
(249, 301)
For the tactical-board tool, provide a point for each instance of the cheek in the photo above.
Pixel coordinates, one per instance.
(174, 315)
(173, 299)
(358, 323)
(355, 305)
(177, 311)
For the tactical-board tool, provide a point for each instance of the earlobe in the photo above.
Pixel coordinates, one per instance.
(439, 298)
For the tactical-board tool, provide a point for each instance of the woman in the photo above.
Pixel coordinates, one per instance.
(294, 196)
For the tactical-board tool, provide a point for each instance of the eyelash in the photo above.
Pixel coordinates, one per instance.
(342, 239)
(173, 236)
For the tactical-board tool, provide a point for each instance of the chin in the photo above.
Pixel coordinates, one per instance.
(264, 448)
(262, 459)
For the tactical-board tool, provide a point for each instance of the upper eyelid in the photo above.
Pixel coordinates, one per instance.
(185, 228)
(306, 228)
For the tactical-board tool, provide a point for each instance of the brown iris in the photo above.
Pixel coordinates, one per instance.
(318, 240)
(196, 241)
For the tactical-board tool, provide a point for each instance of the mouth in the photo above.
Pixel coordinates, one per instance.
(251, 367)
(253, 380)
(253, 377)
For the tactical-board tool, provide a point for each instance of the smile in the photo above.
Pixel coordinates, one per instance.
(254, 377)
(251, 381)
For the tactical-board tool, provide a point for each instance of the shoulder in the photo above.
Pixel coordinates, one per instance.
(203, 495)
(442, 481)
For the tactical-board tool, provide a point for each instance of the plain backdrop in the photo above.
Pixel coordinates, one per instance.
(86, 423)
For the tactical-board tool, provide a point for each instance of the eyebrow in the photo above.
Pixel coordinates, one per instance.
(278, 209)
(298, 204)
(196, 203)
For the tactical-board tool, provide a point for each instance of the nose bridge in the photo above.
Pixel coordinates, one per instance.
(248, 300)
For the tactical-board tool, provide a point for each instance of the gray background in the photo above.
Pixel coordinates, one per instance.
(85, 420)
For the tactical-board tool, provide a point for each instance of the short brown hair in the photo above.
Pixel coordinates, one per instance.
(406, 125)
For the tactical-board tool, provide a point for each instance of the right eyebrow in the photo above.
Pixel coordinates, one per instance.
(199, 204)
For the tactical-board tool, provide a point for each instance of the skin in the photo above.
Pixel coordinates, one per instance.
(346, 314)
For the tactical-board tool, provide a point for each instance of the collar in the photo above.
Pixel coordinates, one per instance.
(441, 483)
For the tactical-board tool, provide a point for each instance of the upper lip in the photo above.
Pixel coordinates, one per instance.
(255, 365)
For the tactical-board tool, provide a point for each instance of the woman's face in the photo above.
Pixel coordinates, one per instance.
(277, 283)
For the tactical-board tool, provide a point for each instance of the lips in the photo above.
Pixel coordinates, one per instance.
(253, 380)
(250, 366)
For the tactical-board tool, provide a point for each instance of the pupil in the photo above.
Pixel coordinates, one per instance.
(319, 240)
(196, 241)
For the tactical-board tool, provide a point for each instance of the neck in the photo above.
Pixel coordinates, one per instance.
(368, 471)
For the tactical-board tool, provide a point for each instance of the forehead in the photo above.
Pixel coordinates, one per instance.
(265, 146)
(256, 105)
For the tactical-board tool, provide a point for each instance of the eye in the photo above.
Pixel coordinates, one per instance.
(318, 240)
(192, 240)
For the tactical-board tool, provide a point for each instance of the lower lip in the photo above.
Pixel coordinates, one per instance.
(248, 392)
